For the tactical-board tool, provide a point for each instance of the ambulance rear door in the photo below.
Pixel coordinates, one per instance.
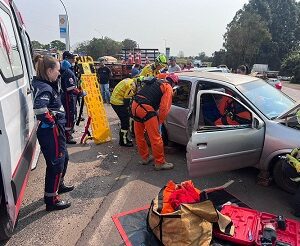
(17, 135)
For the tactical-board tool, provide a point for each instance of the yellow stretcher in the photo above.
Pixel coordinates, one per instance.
(93, 100)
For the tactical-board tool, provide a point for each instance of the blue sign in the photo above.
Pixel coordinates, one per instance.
(63, 26)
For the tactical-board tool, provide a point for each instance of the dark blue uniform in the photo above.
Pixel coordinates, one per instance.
(69, 96)
(51, 135)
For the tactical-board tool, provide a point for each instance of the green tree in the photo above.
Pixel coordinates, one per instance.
(46, 46)
(291, 65)
(244, 37)
(260, 7)
(82, 48)
(36, 44)
(57, 44)
(218, 58)
(277, 23)
(269, 54)
(99, 47)
(283, 21)
(129, 44)
(284, 25)
(202, 56)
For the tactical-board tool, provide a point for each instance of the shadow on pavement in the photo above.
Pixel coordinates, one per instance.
(28, 214)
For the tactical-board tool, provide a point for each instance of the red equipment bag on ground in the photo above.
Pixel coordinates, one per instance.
(250, 227)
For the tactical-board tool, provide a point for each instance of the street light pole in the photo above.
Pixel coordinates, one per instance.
(68, 28)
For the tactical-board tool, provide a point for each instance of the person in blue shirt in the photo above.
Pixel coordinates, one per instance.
(135, 70)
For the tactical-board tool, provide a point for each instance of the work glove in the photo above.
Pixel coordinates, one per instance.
(293, 159)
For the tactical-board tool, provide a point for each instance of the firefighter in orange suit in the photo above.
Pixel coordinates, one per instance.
(150, 108)
(232, 113)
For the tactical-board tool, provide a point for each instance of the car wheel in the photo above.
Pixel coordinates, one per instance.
(6, 225)
(283, 181)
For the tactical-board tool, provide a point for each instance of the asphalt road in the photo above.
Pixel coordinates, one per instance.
(293, 93)
(108, 181)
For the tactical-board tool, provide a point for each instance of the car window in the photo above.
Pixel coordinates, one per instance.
(266, 98)
(223, 111)
(10, 60)
(182, 95)
(206, 85)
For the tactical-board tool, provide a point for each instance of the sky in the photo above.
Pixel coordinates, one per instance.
(191, 26)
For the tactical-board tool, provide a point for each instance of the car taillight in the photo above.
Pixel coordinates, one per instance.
(278, 86)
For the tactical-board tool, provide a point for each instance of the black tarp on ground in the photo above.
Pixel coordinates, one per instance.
(132, 225)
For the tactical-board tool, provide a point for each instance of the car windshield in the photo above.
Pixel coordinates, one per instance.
(269, 100)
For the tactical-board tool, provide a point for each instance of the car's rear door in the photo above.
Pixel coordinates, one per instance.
(222, 147)
(17, 135)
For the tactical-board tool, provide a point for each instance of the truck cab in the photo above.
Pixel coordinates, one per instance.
(17, 123)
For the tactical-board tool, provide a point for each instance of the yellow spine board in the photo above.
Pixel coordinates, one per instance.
(94, 103)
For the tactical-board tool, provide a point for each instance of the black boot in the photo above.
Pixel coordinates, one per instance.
(65, 188)
(71, 141)
(69, 137)
(124, 140)
(59, 205)
(127, 139)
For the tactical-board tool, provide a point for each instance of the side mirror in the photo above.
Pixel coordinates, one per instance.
(257, 123)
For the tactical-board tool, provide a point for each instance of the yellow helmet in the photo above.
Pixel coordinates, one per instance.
(139, 78)
(161, 60)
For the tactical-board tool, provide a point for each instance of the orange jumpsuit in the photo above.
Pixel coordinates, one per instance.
(152, 125)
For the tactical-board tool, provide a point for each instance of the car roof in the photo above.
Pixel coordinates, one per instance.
(234, 79)
(209, 69)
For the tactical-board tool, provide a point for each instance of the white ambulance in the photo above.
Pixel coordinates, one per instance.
(18, 149)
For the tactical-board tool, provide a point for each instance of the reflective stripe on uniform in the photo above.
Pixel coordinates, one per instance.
(295, 179)
(50, 194)
(71, 88)
(38, 111)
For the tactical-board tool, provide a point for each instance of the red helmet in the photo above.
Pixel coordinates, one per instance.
(173, 77)
(162, 76)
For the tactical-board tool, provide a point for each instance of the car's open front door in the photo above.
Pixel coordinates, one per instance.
(227, 135)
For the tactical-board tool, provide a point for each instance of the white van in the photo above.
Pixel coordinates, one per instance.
(17, 123)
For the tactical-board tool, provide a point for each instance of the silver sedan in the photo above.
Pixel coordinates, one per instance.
(217, 139)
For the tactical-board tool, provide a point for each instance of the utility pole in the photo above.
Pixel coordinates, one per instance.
(165, 43)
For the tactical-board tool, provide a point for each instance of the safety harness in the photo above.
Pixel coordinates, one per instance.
(150, 94)
(149, 114)
(232, 112)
